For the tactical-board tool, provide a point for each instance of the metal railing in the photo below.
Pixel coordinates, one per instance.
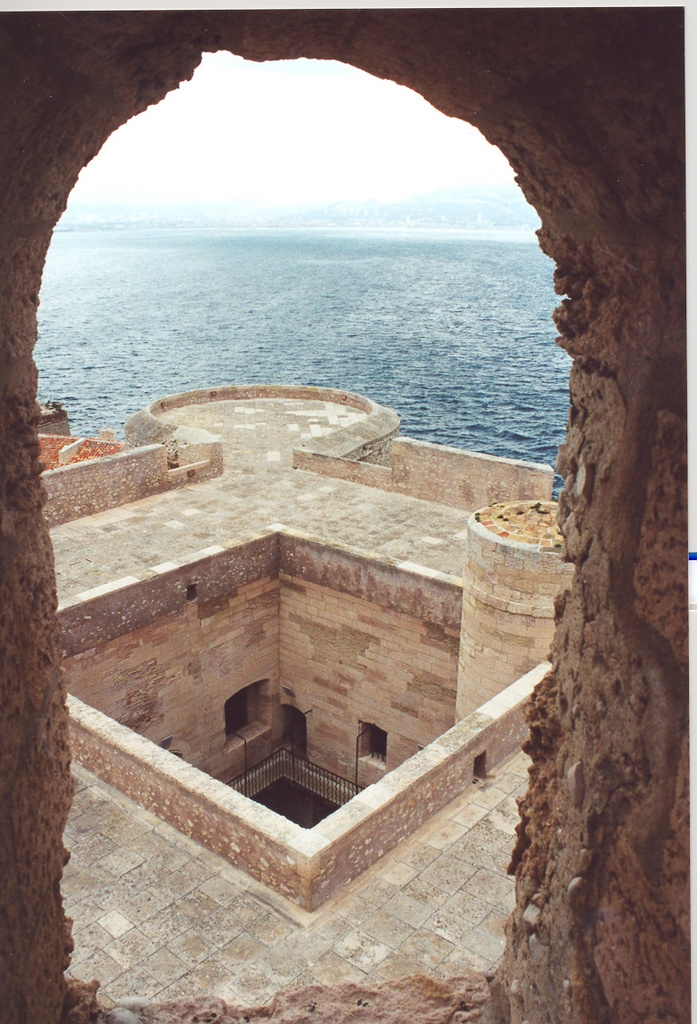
(284, 764)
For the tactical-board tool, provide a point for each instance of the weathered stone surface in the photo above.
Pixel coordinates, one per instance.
(457, 1000)
(587, 104)
(121, 1015)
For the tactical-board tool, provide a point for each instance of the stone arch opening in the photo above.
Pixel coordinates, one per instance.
(588, 107)
(510, 417)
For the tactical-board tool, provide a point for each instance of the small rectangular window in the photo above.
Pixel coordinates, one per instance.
(378, 743)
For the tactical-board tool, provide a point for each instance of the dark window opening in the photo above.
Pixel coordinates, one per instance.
(294, 728)
(377, 742)
(236, 712)
(191, 592)
(479, 770)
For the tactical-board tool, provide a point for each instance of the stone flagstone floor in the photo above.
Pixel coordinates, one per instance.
(157, 915)
(259, 489)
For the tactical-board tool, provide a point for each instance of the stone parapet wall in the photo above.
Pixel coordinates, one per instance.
(82, 489)
(387, 813)
(400, 586)
(465, 479)
(365, 439)
(305, 865)
(507, 611)
(367, 473)
(117, 608)
(265, 845)
(433, 472)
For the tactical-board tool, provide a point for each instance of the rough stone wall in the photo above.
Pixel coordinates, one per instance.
(88, 487)
(173, 676)
(604, 848)
(465, 479)
(307, 866)
(508, 592)
(352, 660)
(587, 105)
(433, 472)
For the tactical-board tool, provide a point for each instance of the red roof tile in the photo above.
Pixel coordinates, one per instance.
(91, 448)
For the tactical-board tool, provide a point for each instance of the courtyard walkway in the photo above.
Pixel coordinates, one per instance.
(156, 915)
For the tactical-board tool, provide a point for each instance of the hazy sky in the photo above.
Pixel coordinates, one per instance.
(287, 131)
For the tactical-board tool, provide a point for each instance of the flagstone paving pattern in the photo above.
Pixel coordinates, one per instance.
(258, 489)
(157, 915)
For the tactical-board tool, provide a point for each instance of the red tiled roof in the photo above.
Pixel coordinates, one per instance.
(91, 448)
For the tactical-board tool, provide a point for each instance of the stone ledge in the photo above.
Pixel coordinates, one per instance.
(98, 614)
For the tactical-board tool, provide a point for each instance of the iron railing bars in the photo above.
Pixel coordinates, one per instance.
(285, 764)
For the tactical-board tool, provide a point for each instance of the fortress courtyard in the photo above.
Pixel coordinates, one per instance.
(156, 914)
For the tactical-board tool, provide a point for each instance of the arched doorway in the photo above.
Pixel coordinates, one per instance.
(294, 728)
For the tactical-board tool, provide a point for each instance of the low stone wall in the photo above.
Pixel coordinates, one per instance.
(93, 486)
(465, 479)
(305, 865)
(364, 440)
(434, 472)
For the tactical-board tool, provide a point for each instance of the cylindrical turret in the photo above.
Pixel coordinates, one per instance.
(513, 569)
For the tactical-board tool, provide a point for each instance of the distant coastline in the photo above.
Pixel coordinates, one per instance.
(477, 209)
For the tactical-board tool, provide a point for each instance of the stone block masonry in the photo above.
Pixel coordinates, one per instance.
(433, 472)
(351, 662)
(82, 489)
(354, 639)
(172, 677)
(508, 593)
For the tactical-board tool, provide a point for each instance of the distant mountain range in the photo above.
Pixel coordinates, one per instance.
(474, 207)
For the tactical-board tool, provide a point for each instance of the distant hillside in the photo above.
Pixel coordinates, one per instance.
(477, 207)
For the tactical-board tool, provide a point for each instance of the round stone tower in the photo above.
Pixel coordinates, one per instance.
(513, 569)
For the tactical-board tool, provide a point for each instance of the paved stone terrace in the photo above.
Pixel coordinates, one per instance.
(258, 489)
(265, 430)
(157, 915)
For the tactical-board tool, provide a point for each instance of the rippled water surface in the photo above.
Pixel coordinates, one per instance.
(452, 331)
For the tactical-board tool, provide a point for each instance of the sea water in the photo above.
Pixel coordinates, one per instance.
(451, 329)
